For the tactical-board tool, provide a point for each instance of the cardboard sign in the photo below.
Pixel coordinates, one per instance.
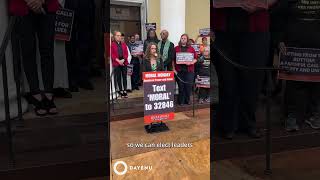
(158, 96)
(152, 26)
(196, 47)
(300, 64)
(203, 81)
(137, 49)
(129, 69)
(237, 3)
(204, 32)
(63, 24)
(184, 57)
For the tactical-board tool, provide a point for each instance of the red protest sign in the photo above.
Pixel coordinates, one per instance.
(158, 96)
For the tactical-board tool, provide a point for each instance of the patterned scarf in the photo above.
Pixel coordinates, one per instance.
(165, 49)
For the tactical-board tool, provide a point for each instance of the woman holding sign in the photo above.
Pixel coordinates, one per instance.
(299, 35)
(152, 61)
(185, 58)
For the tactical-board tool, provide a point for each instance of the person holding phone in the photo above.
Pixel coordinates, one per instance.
(241, 34)
(119, 58)
(184, 72)
(152, 60)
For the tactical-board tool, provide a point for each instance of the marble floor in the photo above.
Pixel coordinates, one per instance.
(167, 162)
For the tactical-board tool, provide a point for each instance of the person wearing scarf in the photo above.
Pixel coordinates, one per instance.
(166, 49)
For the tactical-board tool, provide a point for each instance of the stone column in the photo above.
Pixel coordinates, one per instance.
(172, 14)
(9, 61)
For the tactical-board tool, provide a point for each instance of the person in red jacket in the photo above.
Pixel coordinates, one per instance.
(119, 58)
(37, 18)
(184, 72)
(242, 34)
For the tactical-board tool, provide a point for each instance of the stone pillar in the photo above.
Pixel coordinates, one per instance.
(172, 14)
(9, 61)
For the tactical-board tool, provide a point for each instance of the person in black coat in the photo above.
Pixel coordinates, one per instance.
(79, 48)
(152, 60)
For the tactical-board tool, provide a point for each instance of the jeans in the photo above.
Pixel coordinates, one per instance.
(42, 26)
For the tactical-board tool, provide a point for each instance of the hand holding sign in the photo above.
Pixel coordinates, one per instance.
(184, 58)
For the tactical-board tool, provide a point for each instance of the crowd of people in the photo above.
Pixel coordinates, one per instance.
(251, 36)
(36, 28)
(159, 55)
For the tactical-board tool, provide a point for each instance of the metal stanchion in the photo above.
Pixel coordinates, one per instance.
(268, 124)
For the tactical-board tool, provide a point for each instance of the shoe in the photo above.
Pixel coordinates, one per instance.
(125, 95)
(314, 121)
(50, 106)
(291, 123)
(62, 93)
(254, 134)
(137, 88)
(39, 106)
(129, 91)
(120, 94)
(200, 101)
(87, 85)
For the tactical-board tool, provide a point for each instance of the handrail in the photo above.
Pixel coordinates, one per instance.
(3, 48)
(7, 37)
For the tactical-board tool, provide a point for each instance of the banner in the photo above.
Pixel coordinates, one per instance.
(204, 32)
(63, 24)
(184, 57)
(158, 96)
(203, 81)
(129, 69)
(238, 3)
(300, 64)
(196, 47)
(152, 26)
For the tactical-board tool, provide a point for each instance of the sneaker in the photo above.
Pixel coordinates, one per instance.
(291, 123)
(314, 121)
(200, 101)
(125, 95)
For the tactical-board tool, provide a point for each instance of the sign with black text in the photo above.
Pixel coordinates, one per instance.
(137, 49)
(300, 64)
(196, 47)
(158, 96)
(63, 24)
(239, 3)
(204, 32)
(152, 26)
(184, 57)
(203, 81)
(129, 69)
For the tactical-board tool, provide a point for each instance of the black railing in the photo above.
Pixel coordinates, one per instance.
(268, 71)
(9, 36)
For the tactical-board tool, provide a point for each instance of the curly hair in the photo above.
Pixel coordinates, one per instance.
(148, 50)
